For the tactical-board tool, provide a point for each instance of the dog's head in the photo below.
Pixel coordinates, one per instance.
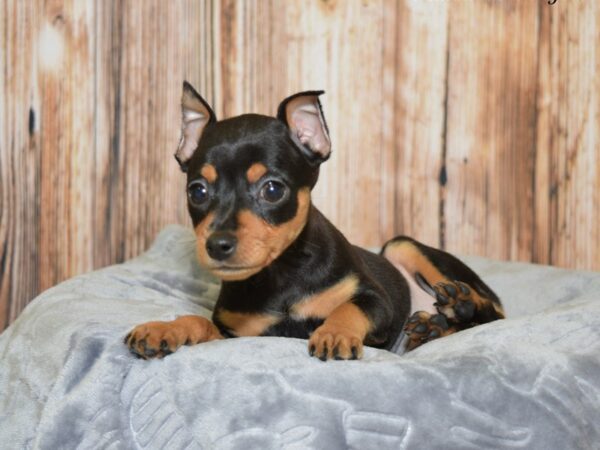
(249, 179)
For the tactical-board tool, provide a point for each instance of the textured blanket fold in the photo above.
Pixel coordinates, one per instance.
(67, 380)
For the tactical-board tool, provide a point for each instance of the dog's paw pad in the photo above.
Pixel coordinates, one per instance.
(423, 327)
(456, 300)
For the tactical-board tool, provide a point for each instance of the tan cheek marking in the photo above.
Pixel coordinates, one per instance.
(272, 240)
(209, 172)
(255, 172)
(247, 324)
(323, 303)
(202, 231)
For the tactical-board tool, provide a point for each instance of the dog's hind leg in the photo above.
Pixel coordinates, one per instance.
(446, 295)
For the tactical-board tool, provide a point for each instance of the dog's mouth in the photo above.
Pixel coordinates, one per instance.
(229, 272)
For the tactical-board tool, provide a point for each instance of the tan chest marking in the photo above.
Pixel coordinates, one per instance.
(323, 303)
(247, 324)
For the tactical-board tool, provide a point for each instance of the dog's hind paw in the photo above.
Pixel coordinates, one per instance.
(461, 303)
(423, 327)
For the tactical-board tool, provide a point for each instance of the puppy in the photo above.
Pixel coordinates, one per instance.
(285, 269)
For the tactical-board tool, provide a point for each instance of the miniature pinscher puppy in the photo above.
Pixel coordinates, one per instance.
(285, 269)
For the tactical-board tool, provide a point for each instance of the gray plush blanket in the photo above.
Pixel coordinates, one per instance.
(67, 381)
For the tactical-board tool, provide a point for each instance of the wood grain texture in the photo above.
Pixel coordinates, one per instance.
(270, 49)
(19, 161)
(342, 44)
(474, 126)
(490, 139)
(567, 201)
(66, 79)
(413, 125)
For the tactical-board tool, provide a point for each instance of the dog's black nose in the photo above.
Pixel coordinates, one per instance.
(221, 245)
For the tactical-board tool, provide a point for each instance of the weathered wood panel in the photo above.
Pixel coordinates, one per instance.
(567, 201)
(272, 49)
(65, 43)
(340, 43)
(413, 119)
(490, 131)
(19, 160)
(150, 74)
(469, 125)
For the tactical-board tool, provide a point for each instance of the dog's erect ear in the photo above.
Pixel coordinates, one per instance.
(196, 114)
(303, 115)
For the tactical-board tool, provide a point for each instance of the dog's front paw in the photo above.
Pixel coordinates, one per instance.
(159, 339)
(154, 340)
(423, 327)
(329, 342)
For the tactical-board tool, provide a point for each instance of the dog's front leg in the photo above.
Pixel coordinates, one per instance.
(342, 334)
(159, 339)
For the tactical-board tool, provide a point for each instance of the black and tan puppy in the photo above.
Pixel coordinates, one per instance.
(286, 270)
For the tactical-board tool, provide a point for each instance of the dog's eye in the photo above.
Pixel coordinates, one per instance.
(273, 191)
(198, 192)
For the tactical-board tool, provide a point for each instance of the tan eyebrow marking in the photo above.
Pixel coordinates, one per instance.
(255, 171)
(209, 172)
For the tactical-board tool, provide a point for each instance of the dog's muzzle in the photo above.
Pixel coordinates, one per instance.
(221, 245)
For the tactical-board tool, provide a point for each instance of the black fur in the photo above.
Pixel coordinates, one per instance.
(231, 146)
(320, 256)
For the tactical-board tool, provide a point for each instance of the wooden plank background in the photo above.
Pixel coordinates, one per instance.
(471, 125)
